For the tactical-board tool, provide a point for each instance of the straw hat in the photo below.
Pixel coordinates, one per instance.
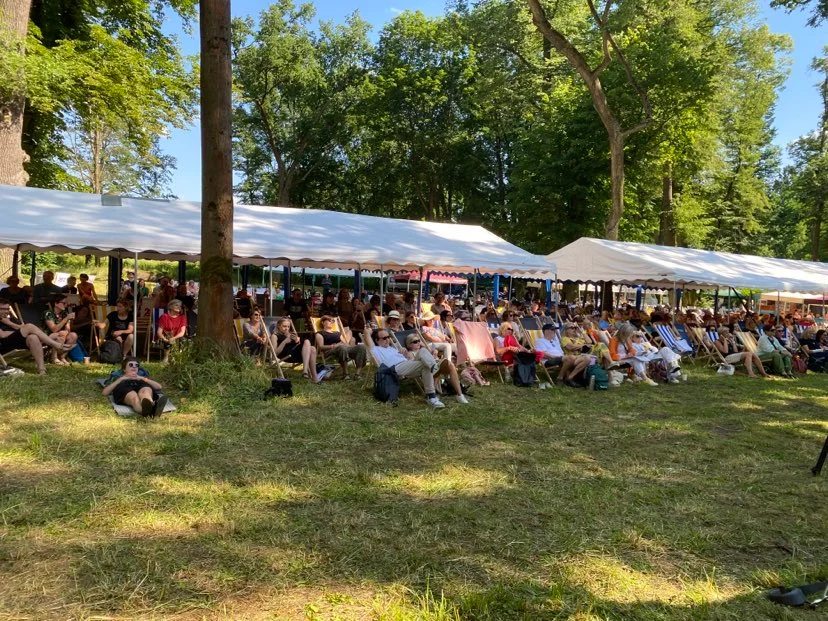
(428, 315)
(394, 315)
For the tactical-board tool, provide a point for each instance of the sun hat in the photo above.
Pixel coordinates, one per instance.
(428, 315)
(394, 315)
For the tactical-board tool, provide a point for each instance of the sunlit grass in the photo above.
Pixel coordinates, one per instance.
(676, 502)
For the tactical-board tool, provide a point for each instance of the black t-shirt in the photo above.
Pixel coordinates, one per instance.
(296, 310)
(116, 323)
(330, 338)
(21, 297)
(188, 301)
(386, 308)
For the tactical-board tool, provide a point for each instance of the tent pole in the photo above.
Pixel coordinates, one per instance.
(511, 292)
(382, 286)
(716, 302)
(135, 310)
(270, 287)
(34, 269)
(420, 297)
(777, 306)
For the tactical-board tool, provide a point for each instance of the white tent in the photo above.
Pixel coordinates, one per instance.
(593, 260)
(38, 219)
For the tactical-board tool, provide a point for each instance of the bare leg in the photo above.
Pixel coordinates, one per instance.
(30, 329)
(71, 339)
(748, 360)
(447, 368)
(581, 363)
(309, 361)
(126, 349)
(566, 366)
(36, 349)
(758, 363)
(133, 400)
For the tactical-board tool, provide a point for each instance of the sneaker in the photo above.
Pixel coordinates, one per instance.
(435, 403)
(650, 382)
(674, 380)
(158, 408)
(462, 399)
(146, 408)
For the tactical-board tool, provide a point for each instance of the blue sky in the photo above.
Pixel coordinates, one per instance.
(797, 110)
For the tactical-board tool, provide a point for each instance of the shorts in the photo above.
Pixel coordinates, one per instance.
(733, 358)
(555, 361)
(292, 352)
(128, 386)
(12, 342)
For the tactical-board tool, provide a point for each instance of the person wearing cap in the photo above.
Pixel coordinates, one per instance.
(771, 349)
(414, 361)
(394, 321)
(435, 338)
(172, 326)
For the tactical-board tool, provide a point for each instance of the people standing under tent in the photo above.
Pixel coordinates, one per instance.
(344, 307)
(86, 290)
(43, 292)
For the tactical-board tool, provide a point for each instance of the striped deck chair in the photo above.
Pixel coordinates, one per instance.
(532, 332)
(475, 346)
(705, 350)
(672, 340)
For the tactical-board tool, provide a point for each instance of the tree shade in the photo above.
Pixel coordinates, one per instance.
(39, 219)
(594, 260)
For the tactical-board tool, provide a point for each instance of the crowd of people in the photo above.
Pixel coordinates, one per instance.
(567, 340)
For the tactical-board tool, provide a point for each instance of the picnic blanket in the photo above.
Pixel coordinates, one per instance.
(125, 410)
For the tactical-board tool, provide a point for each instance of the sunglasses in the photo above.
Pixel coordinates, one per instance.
(132, 365)
(510, 329)
(414, 342)
(383, 338)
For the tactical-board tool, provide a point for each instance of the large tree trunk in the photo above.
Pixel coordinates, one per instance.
(616, 141)
(14, 21)
(666, 221)
(816, 231)
(215, 301)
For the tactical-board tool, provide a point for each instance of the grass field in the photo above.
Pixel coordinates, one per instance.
(673, 502)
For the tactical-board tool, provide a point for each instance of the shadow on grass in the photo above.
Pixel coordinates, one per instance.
(524, 505)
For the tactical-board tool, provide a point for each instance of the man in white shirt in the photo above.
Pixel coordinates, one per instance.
(405, 363)
(553, 354)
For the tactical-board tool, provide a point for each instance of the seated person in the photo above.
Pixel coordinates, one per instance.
(71, 286)
(86, 290)
(623, 349)
(812, 345)
(254, 334)
(409, 303)
(357, 322)
(576, 356)
(435, 338)
(771, 349)
(163, 294)
(410, 322)
(14, 294)
(390, 303)
(290, 348)
(439, 304)
(726, 344)
(57, 324)
(393, 321)
(186, 299)
(119, 327)
(506, 345)
(172, 327)
(43, 292)
(329, 305)
(297, 309)
(14, 336)
(140, 393)
(414, 361)
(344, 307)
(340, 344)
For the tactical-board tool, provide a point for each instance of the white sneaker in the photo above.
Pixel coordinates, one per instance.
(462, 399)
(650, 382)
(674, 380)
(435, 403)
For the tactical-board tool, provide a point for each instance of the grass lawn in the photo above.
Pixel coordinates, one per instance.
(674, 502)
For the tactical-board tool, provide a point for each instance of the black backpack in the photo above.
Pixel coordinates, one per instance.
(386, 384)
(110, 352)
(523, 372)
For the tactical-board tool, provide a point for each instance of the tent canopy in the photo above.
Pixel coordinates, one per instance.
(38, 219)
(594, 260)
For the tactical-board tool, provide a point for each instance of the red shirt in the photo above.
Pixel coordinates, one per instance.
(171, 324)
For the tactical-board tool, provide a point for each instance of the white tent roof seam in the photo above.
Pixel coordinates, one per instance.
(593, 260)
(39, 219)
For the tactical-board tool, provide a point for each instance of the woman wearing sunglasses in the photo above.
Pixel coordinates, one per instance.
(140, 393)
(255, 334)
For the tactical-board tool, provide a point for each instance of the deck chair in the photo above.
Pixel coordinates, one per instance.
(475, 346)
(31, 313)
(705, 350)
(671, 339)
(154, 316)
(96, 334)
(316, 326)
(532, 332)
(16, 353)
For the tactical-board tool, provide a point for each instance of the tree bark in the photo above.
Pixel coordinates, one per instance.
(215, 301)
(14, 22)
(666, 221)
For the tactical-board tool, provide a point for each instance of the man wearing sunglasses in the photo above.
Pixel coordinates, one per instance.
(137, 391)
(407, 363)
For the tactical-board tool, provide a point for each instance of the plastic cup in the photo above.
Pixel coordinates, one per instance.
(86, 360)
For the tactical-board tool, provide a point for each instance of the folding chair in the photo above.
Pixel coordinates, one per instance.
(474, 344)
(532, 335)
(671, 339)
(99, 312)
(705, 348)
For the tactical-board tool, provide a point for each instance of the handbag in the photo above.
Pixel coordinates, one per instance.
(279, 387)
(726, 369)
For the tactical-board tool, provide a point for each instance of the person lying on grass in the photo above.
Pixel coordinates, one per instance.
(14, 336)
(140, 393)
